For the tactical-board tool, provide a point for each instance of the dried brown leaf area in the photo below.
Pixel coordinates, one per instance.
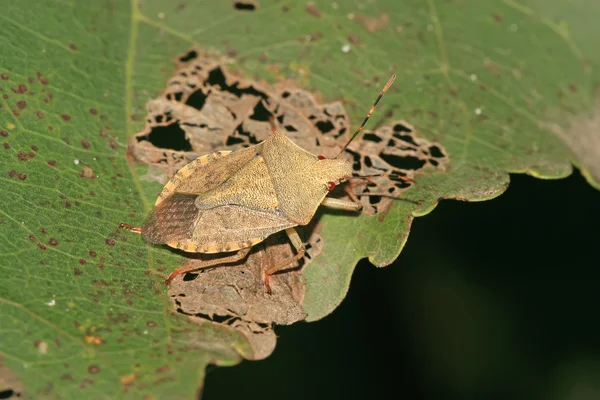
(235, 295)
(206, 108)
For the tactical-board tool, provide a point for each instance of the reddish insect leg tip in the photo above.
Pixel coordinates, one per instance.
(130, 228)
(266, 282)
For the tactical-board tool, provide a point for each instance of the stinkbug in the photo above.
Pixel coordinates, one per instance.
(230, 201)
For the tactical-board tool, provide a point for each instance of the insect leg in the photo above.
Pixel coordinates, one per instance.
(340, 204)
(300, 250)
(130, 228)
(241, 254)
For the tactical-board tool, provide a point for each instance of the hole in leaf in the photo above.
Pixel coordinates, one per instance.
(401, 128)
(215, 318)
(245, 5)
(251, 138)
(189, 56)
(168, 137)
(216, 77)
(196, 100)
(231, 140)
(8, 393)
(355, 160)
(189, 276)
(436, 152)
(404, 162)
(262, 114)
(325, 126)
(371, 137)
(406, 138)
(175, 96)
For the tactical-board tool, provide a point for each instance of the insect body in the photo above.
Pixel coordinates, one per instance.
(230, 201)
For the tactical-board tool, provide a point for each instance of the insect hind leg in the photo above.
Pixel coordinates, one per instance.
(240, 255)
(300, 250)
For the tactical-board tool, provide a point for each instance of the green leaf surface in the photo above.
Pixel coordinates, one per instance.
(504, 86)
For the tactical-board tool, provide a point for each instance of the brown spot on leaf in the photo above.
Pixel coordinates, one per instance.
(51, 163)
(82, 261)
(93, 111)
(53, 242)
(109, 242)
(497, 17)
(353, 38)
(85, 144)
(93, 369)
(128, 380)
(6, 146)
(15, 174)
(21, 104)
(92, 253)
(151, 324)
(315, 37)
(42, 246)
(42, 79)
(21, 155)
(66, 117)
(73, 47)
(43, 230)
(163, 369)
(34, 148)
(113, 144)
(32, 238)
(4, 77)
(77, 271)
(373, 24)
(92, 339)
(3, 133)
(313, 10)
(87, 172)
(20, 89)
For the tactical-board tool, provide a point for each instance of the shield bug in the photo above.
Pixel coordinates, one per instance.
(230, 201)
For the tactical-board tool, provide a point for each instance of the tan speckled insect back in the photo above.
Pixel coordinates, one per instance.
(230, 201)
(227, 201)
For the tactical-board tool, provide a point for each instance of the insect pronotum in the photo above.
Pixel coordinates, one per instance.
(230, 201)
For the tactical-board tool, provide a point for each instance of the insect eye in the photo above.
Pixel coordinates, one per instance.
(321, 157)
(330, 186)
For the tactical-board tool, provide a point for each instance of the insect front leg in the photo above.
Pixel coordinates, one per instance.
(130, 228)
(300, 250)
(240, 255)
(340, 204)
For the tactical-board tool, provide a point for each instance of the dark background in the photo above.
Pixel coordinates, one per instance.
(489, 300)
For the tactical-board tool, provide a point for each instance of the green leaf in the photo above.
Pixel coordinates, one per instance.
(505, 86)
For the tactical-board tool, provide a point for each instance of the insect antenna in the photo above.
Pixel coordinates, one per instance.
(385, 88)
